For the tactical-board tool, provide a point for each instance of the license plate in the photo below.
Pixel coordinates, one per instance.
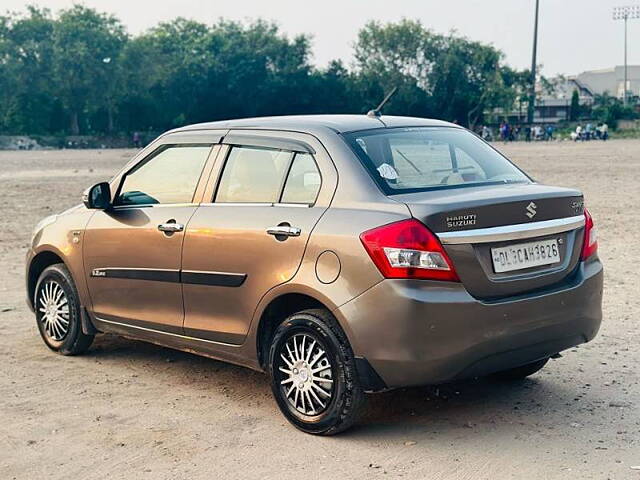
(525, 255)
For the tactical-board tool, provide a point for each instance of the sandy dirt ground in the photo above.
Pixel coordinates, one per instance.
(131, 410)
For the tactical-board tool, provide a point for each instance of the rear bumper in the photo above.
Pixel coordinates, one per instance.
(416, 332)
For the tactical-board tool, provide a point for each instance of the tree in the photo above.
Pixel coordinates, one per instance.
(575, 106)
(259, 71)
(610, 110)
(86, 49)
(79, 71)
(335, 90)
(396, 55)
(466, 80)
(449, 76)
(26, 68)
(176, 63)
(517, 90)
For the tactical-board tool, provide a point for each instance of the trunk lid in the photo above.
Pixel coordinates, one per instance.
(539, 213)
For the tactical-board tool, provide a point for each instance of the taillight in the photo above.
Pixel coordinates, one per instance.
(590, 243)
(408, 249)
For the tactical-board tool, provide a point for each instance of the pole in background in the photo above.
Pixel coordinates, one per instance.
(532, 93)
(626, 13)
(626, 67)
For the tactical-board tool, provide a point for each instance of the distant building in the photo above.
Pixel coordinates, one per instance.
(554, 105)
(553, 101)
(611, 81)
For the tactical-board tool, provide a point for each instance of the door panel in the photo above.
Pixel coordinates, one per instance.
(227, 245)
(132, 251)
(133, 269)
(230, 243)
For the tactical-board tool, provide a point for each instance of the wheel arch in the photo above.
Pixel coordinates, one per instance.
(279, 308)
(287, 303)
(38, 264)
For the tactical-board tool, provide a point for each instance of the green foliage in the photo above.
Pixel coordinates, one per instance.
(80, 72)
(575, 106)
(26, 67)
(609, 109)
(439, 76)
(86, 49)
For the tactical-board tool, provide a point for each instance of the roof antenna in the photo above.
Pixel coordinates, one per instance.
(376, 112)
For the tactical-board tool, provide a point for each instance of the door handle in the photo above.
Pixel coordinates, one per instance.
(171, 227)
(284, 231)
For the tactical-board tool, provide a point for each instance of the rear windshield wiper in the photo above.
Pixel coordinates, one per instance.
(408, 161)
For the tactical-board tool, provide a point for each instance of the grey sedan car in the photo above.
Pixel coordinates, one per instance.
(340, 254)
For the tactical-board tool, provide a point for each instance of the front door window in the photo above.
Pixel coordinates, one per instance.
(170, 176)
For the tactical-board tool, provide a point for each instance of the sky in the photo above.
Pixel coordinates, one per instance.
(574, 35)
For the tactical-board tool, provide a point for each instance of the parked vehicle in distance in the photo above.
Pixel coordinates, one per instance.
(340, 254)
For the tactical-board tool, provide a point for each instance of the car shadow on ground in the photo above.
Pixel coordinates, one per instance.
(465, 406)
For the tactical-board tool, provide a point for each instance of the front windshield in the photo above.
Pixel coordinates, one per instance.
(405, 160)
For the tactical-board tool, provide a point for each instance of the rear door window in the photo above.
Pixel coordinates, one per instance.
(303, 181)
(253, 175)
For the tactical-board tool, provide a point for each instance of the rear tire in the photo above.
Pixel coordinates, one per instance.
(57, 306)
(522, 372)
(313, 373)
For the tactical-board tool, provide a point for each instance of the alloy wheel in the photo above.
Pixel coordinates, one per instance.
(53, 306)
(305, 374)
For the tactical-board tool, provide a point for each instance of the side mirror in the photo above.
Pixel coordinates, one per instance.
(97, 197)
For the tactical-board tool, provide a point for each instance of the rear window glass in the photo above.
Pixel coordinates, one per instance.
(404, 160)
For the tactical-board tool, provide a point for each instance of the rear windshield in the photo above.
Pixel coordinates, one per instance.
(404, 160)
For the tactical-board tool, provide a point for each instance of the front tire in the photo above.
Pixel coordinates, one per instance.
(313, 373)
(57, 308)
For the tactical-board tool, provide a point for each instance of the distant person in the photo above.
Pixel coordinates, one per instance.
(587, 131)
(486, 133)
(578, 133)
(537, 132)
(136, 139)
(549, 132)
(527, 133)
(605, 132)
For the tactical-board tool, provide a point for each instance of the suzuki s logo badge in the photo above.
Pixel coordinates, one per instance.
(531, 210)
(97, 272)
(578, 206)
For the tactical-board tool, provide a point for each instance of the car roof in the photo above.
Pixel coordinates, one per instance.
(313, 123)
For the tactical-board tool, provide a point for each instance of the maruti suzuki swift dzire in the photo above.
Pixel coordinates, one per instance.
(342, 255)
